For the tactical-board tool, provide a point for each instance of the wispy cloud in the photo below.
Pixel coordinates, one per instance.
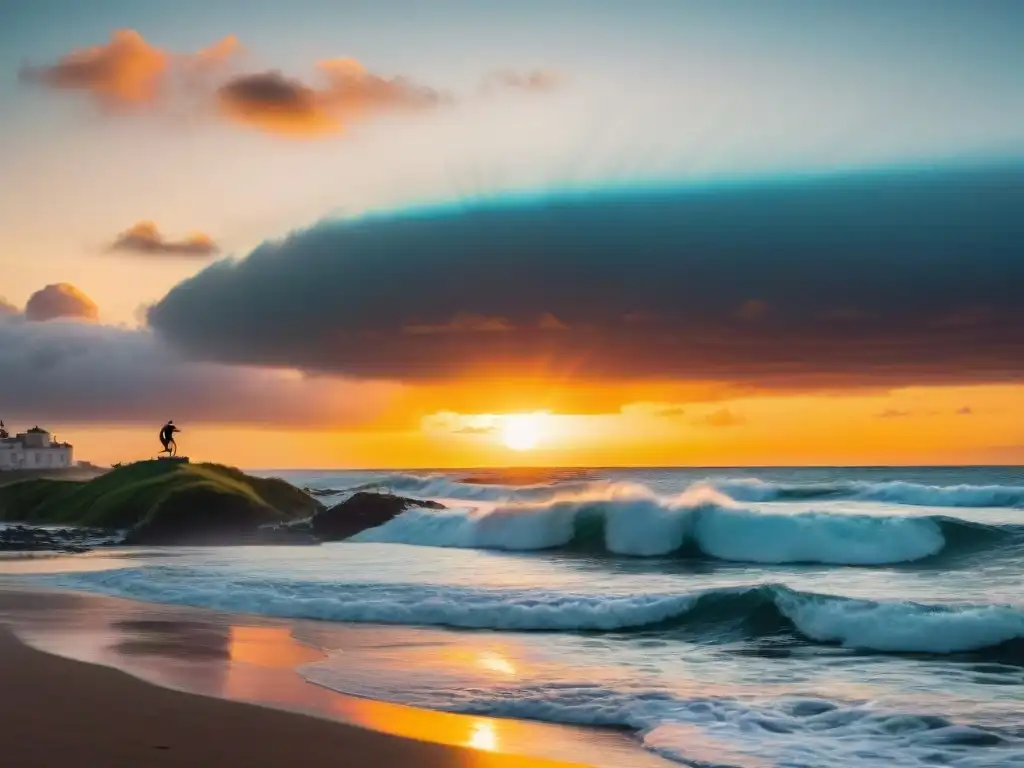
(145, 238)
(55, 366)
(476, 430)
(273, 102)
(129, 73)
(721, 418)
(653, 410)
(894, 413)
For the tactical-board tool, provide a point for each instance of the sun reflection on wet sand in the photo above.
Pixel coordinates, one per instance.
(273, 647)
(254, 660)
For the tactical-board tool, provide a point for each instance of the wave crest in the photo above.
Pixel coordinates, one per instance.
(739, 489)
(881, 626)
(630, 520)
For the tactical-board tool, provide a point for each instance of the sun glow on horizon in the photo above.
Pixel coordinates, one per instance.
(523, 432)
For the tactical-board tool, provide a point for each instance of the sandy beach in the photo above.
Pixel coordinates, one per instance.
(67, 712)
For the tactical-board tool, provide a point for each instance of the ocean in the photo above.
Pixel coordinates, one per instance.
(809, 618)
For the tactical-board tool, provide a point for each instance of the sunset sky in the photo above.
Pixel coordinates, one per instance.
(412, 233)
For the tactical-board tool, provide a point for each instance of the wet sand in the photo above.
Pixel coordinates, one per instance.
(59, 712)
(105, 681)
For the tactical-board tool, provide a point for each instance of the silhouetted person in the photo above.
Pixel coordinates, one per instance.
(167, 438)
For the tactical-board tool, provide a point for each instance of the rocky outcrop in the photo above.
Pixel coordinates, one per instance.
(297, 533)
(21, 538)
(174, 503)
(163, 503)
(363, 510)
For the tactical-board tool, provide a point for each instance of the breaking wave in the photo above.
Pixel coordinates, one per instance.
(880, 626)
(892, 492)
(740, 489)
(629, 520)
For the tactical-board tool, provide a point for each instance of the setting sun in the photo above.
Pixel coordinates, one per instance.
(522, 432)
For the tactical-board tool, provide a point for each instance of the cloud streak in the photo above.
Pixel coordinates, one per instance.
(60, 369)
(128, 73)
(145, 238)
(832, 282)
(537, 80)
(722, 418)
(272, 102)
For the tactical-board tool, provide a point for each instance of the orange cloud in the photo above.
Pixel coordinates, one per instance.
(272, 102)
(144, 237)
(214, 55)
(127, 71)
(60, 300)
(653, 410)
(722, 418)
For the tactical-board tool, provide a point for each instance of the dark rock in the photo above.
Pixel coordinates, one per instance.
(284, 535)
(198, 516)
(361, 511)
(23, 538)
(321, 491)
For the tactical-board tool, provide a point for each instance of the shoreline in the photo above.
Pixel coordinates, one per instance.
(253, 661)
(105, 717)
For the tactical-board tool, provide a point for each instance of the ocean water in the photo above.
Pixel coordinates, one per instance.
(805, 618)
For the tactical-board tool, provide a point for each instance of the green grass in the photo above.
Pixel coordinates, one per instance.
(154, 493)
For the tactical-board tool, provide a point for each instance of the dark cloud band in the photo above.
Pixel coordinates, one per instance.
(884, 278)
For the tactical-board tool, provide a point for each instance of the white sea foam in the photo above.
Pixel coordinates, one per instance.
(439, 486)
(706, 730)
(889, 626)
(739, 489)
(897, 492)
(892, 492)
(901, 626)
(811, 537)
(637, 522)
(386, 603)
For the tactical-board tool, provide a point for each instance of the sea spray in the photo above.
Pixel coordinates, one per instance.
(639, 523)
(740, 489)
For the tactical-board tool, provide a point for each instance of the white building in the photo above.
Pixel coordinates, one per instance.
(34, 449)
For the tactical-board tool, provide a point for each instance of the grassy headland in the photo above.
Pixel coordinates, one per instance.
(159, 501)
